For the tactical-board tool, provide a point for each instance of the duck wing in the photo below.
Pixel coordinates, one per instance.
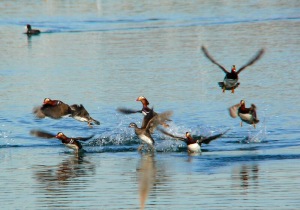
(83, 138)
(128, 111)
(42, 134)
(207, 140)
(54, 112)
(212, 59)
(252, 61)
(46, 135)
(158, 119)
(233, 110)
(171, 135)
(147, 118)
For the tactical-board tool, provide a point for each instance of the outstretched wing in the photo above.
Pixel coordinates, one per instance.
(233, 110)
(207, 140)
(42, 134)
(171, 135)
(128, 111)
(252, 61)
(213, 60)
(83, 138)
(158, 119)
(54, 112)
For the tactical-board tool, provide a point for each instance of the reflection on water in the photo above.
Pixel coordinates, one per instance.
(246, 176)
(146, 176)
(63, 179)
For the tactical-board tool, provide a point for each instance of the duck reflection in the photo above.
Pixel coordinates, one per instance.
(146, 176)
(64, 174)
(247, 175)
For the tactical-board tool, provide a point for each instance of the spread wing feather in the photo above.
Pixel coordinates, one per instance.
(252, 61)
(212, 59)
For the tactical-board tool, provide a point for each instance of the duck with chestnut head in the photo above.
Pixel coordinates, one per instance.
(247, 115)
(194, 142)
(70, 142)
(146, 110)
(150, 122)
(55, 109)
(231, 78)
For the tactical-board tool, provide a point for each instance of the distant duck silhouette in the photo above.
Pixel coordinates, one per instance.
(72, 143)
(247, 115)
(231, 78)
(57, 109)
(193, 142)
(31, 31)
(150, 122)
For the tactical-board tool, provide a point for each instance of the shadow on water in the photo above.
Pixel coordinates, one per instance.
(62, 179)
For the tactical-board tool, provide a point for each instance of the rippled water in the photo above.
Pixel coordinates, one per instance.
(104, 54)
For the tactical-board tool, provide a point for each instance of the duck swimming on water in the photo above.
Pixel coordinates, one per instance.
(31, 31)
(231, 78)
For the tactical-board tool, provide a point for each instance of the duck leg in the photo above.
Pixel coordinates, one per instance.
(224, 88)
(232, 90)
(141, 148)
(241, 123)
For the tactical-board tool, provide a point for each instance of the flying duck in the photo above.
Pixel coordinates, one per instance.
(150, 122)
(52, 108)
(145, 109)
(247, 115)
(72, 143)
(31, 31)
(231, 78)
(56, 109)
(78, 112)
(194, 142)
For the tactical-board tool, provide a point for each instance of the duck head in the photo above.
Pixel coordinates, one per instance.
(28, 27)
(233, 69)
(61, 136)
(51, 102)
(132, 125)
(143, 100)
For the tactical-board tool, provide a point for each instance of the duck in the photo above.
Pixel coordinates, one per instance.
(247, 115)
(31, 31)
(231, 78)
(72, 143)
(194, 143)
(150, 122)
(57, 109)
(145, 109)
(54, 109)
(78, 112)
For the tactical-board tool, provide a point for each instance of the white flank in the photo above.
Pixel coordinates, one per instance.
(82, 119)
(146, 139)
(72, 146)
(194, 148)
(246, 117)
(229, 83)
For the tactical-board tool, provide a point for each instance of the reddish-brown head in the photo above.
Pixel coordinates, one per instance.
(143, 100)
(60, 135)
(233, 69)
(47, 101)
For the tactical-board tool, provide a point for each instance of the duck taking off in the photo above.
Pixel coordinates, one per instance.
(194, 143)
(247, 115)
(231, 78)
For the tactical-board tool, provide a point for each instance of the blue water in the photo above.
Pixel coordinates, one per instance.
(104, 54)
